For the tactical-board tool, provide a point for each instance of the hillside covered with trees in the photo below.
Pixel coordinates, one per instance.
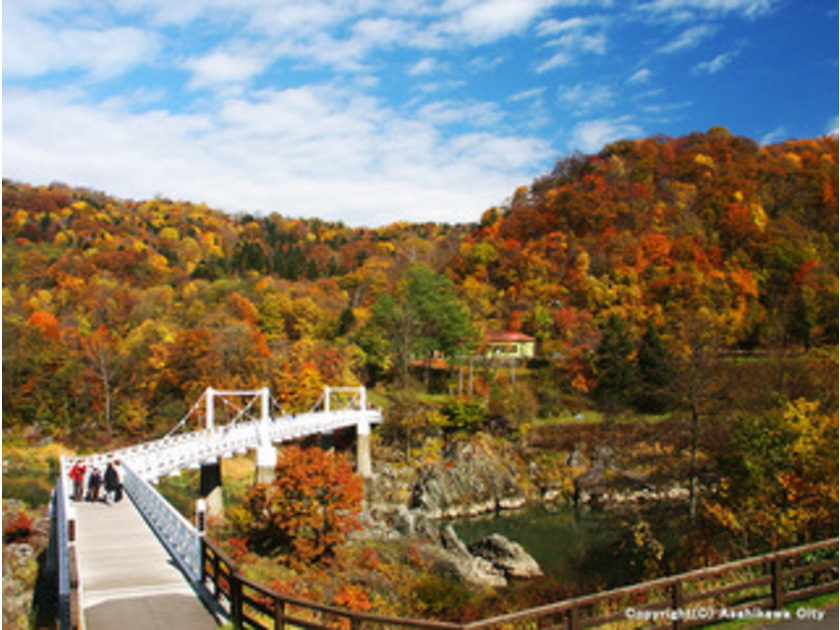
(116, 313)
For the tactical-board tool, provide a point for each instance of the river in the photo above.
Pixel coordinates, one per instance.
(582, 547)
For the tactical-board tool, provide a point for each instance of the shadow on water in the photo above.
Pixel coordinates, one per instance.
(581, 548)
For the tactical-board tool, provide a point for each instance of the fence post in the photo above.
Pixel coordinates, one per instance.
(677, 601)
(574, 618)
(236, 600)
(216, 580)
(279, 614)
(778, 584)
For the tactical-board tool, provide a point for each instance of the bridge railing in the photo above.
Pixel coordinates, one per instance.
(173, 453)
(63, 551)
(758, 586)
(177, 533)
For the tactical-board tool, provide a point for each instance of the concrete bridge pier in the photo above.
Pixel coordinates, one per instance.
(266, 463)
(211, 486)
(363, 461)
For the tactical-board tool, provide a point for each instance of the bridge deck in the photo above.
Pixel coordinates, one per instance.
(128, 580)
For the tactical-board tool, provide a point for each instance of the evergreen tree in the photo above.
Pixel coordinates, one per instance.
(654, 368)
(616, 367)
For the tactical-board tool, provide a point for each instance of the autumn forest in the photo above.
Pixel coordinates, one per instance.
(117, 313)
(693, 278)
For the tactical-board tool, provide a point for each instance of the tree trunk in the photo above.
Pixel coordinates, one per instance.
(692, 492)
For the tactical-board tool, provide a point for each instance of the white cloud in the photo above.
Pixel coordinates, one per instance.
(833, 126)
(591, 136)
(427, 65)
(575, 38)
(453, 112)
(221, 68)
(32, 48)
(362, 163)
(553, 26)
(682, 10)
(483, 63)
(642, 75)
(372, 33)
(482, 21)
(713, 66)
(534, 93)
(776, 135)
(583, 98)
(662, 111)
(689, 38)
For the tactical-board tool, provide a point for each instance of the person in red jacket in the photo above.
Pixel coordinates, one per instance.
(77, 474)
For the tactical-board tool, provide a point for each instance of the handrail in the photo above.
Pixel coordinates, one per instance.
(64, 523)
(177, 533)
(173, 453)
(777, 597)
(251, 605)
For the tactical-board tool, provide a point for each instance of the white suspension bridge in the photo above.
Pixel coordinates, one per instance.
(137, 563)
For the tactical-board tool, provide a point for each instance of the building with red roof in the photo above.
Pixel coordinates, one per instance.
(510, 345)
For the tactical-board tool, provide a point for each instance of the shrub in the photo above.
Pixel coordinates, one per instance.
(462, 414)
(306, 512)
(18, 528)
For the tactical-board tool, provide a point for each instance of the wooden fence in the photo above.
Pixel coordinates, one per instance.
(756, 587)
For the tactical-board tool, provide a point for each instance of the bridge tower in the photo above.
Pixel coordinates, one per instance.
(359, 398)
(266, 451)
(211, 469)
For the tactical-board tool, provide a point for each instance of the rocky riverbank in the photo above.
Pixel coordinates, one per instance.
(480, 476)
(487, 475)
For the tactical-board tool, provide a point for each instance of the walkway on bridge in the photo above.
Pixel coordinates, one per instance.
(128, 579)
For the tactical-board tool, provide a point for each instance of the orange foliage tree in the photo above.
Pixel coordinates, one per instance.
(307, 511)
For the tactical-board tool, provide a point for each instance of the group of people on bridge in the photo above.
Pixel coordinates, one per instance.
(111, 480)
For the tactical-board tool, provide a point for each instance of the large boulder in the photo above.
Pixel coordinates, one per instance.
(506, 556)
(457, 562)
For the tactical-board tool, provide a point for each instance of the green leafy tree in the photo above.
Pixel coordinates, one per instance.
(426, 317)
(390, 317)
(442, 323)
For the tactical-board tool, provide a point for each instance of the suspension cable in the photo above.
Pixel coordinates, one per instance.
(186, 417)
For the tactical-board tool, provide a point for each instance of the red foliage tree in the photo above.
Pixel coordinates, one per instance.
(306, 512)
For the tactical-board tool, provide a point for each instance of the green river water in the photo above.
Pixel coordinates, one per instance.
(583, 548)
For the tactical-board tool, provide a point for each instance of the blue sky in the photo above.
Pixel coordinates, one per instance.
(373, 111)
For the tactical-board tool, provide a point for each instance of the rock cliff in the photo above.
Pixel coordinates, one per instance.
(471, 479)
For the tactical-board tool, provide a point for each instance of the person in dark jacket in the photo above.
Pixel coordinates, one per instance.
(94, 483)
(112, 482)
